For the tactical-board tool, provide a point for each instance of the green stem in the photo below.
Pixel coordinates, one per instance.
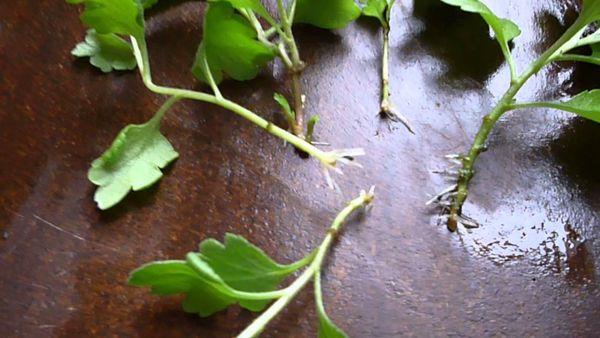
(386, 107)
(210, 78)
(160, 113)
(259, 324)
(261, 34)
(296, 66)
(385, 78)
(141, 54)
(552, 105)
(578, 58)
(489, 121)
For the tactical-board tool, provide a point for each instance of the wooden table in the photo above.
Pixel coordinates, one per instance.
(395, 272)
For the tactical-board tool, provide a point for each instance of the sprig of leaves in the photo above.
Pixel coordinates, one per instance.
(240, 46)
(236, 271)
(234, 45)
(382, 11)
(586, 104)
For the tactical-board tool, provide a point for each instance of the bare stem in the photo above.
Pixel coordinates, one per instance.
(386, 107)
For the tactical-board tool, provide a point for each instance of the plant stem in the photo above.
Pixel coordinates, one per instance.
(141, 53)
(386, 108)
(298, 127)
(505, 104)
(160, 113)
(296, 66)
(259, 324)
(578, 58)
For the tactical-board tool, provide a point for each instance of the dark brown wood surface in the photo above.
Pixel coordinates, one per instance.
(531, 269)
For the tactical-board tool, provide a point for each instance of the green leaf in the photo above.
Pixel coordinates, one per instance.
(148, 3)
(254, 5)
(230, 46)
(285, 106)
(244, 267)
(133, 161)
(330, 14)
(585, 104)
(596, 51)
(174, 277)
(106, 51)
(327, 329)
(310, 127)
(504, 29)
(113, 16)
(590, 12)
(212, 277)
(376, 9)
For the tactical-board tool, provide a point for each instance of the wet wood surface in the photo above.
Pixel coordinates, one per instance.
(531, 269)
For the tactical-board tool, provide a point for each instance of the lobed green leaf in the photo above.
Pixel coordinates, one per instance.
(212, 278)
(204, 297)
(133, 161)
(244, 267)
(504, 29)
(113, 16)
(330, 14)
(230, 46)
(106, 51)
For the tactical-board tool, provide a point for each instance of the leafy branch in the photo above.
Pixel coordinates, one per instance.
(382, 11)
(223, 274)
(234, 45)
(224, 21)
(585, 104)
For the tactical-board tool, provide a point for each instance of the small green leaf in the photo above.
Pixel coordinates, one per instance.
(330, 14)
(106, 51)
(327, 329)
(113, 16)
(504, 29)
(254, 5)
(244, 267)
(585, 104)
(310, 127)
(285, 106)
(376, 9)
(230, 46)
(133, 161)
